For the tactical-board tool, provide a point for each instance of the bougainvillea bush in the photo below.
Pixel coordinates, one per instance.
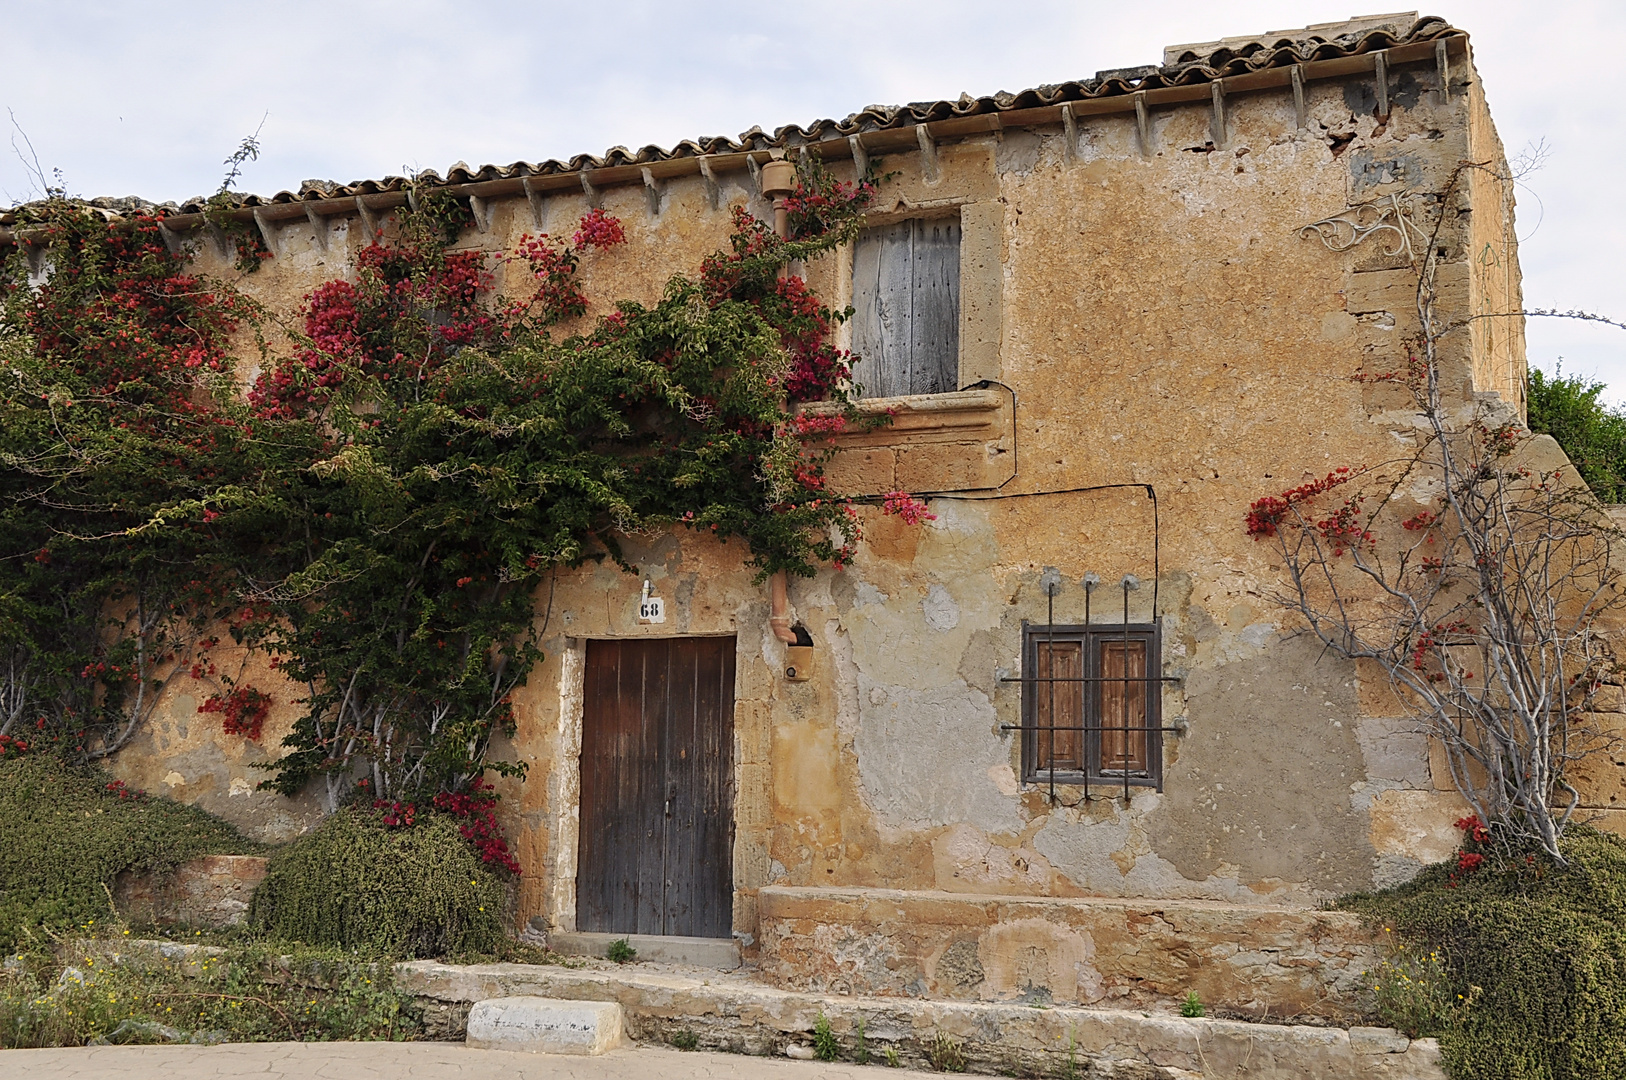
(132, 490)
(377, 509)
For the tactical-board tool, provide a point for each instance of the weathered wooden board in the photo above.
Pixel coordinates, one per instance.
(906, 307)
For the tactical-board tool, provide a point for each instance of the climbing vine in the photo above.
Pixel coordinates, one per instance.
(375, 513)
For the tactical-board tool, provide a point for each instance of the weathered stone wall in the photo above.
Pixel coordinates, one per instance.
(1281, 963)
(1150, 319)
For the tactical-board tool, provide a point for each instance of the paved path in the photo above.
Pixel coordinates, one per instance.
(408, 1061)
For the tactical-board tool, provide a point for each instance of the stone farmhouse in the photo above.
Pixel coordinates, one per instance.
(1056, 742)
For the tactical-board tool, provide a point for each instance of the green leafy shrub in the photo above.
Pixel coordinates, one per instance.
(67, 832)
(621, 951)
(1192, 1005)
(1536, 950)
(946, 1053)
(1591, 433)
(358, 883)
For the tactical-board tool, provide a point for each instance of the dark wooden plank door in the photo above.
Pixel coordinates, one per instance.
(657, 788)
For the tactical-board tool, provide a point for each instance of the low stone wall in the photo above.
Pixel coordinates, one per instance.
(728, 1011)
(1261, 962)
(210, 891)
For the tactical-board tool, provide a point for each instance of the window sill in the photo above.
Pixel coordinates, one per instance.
(922, 414)
(1077, 780)
(959, 441)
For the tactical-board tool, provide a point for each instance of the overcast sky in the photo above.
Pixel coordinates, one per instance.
(148, 97)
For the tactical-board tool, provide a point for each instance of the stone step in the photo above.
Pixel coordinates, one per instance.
(1265, 962)
(545, 1025)
(730, 1011)
(720, 953)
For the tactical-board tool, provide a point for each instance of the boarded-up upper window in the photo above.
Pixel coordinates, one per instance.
(906, 307)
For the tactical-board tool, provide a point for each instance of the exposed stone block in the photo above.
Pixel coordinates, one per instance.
(732, 1012)
(861, 470)
(545, 1025)
(1600, 776)
(720, 953)
(210, 891)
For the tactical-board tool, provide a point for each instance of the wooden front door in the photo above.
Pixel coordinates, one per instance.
(657, 788)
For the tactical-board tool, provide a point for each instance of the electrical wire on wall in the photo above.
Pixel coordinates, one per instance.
(997, 492)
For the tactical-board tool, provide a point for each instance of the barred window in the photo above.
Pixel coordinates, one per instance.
(1090, 704)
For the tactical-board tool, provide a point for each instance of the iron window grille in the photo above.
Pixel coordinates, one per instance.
(1092, 700)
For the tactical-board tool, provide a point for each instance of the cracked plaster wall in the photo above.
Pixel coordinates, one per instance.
(1162, 322)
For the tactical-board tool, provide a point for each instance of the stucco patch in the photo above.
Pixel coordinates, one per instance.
(942, 613)
(1264, 774)
(924, 755)
(1035, 957)
(966, 860)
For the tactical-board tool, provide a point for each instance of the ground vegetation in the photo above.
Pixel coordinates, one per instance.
(1515, 960)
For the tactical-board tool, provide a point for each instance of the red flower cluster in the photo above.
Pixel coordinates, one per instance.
(117, 787)
(107, 673)
(819, 200)
(12, 747)
(1475, 829)
(910, 509)
(243, 711)
(1468, 862)
(599, 230)
(397, 815)
(1267, 515)
(477, 807)
(820, 425)
(349, 325)
(149, 325)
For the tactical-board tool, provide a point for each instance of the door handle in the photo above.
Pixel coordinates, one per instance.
(668, 807)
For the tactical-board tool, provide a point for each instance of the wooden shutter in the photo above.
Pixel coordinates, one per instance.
(1059, 705)
(906, 307)
(1123, 705)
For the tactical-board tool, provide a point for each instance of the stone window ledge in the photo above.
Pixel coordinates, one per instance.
(936, 442)
(955, 417)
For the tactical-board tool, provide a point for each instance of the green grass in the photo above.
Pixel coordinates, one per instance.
(250, 994)
(1533, 955)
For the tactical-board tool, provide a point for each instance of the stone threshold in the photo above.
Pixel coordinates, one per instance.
(720, 953)
(732, 1012)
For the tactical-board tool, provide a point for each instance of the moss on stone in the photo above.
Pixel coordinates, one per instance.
(356, 883)
(67, 832)
(1545, 946)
